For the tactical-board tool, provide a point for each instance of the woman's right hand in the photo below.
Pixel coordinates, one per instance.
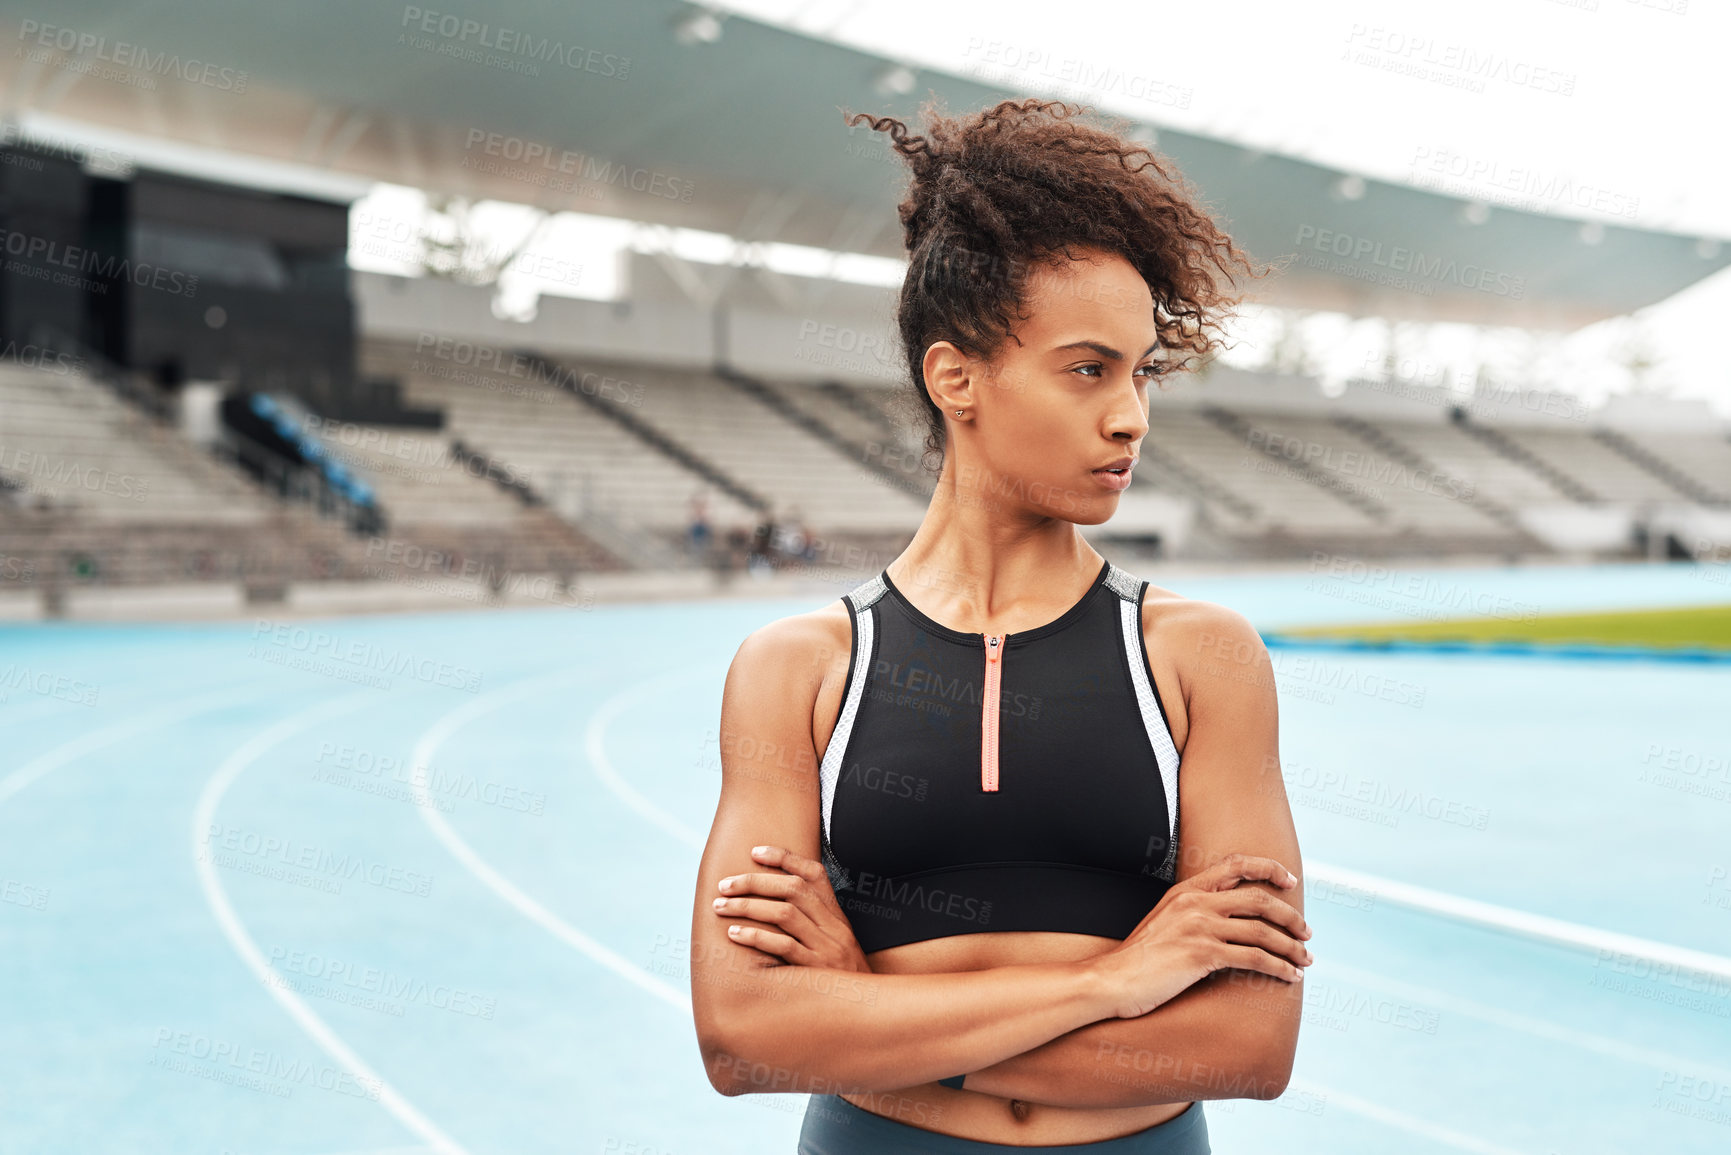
(1204, 924)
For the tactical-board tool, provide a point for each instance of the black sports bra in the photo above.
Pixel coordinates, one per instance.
(1026, 781)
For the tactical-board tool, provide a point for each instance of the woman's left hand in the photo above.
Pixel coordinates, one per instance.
(799, 901)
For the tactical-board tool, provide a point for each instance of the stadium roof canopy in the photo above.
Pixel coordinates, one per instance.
(657, 111)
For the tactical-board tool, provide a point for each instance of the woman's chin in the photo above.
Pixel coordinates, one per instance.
(1099, 511)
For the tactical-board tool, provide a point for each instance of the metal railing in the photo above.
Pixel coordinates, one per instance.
(288, 480)
(297, 482)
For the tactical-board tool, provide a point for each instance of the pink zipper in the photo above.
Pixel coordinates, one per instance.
(989, 703)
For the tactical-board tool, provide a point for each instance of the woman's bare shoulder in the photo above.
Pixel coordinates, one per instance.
(1201, 643)
(801, 648)
(1175, 616)
(1201, 652)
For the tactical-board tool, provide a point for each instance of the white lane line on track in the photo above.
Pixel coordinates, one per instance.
(594, 743)
(67, 752)
(1522, 922)
(422, 758)
(1401, 1121)
(202, 819)
(1515, 1021)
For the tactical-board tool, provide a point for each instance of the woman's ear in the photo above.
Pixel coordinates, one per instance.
(949, 377)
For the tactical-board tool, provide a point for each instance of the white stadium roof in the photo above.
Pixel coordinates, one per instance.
(654, 111)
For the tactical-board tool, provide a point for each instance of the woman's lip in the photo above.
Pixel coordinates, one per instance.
(1116, 481)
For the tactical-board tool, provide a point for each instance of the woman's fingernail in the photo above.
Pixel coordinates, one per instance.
(760, 850)
(720, 903)
(727, 884)
(733, 930)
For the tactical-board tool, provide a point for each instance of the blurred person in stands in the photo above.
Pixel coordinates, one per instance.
(698, 536)
(763, 556)
(735, 555)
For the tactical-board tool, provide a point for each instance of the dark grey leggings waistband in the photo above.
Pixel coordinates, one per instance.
(834, 1126)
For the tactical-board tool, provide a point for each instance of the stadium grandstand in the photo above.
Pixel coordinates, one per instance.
(435, 439)
(203, 401)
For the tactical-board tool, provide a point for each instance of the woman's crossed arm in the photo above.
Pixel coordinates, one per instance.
(766, 1026)
(788, 1003)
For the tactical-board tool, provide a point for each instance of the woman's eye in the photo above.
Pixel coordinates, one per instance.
(1152, 369)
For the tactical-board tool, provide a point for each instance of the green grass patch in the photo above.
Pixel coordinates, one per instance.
(1694, 627)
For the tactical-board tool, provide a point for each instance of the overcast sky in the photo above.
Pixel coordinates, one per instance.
(1625, 98)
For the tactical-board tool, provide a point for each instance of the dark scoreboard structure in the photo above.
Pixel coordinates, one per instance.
(175, 278)
(45, 206)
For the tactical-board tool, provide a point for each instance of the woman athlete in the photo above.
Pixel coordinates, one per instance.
(953, 888)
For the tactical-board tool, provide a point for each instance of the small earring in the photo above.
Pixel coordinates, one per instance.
(958, 413)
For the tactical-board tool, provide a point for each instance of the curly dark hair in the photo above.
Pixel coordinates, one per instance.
(994, 194)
